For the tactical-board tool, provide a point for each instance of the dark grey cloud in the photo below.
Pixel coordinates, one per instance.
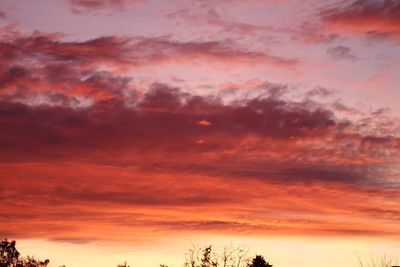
(341, 53)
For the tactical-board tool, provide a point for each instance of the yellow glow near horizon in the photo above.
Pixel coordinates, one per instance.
(281, 252)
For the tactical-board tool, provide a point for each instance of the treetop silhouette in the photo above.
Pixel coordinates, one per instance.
(259, 261)
(10, 257)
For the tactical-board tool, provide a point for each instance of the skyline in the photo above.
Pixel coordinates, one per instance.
(146, 126)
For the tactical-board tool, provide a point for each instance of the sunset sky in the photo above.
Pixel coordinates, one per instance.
(132, 129)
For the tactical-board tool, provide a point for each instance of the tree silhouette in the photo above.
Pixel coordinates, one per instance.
(196, 257)
(9, 257)
(8, 253)
(259, 261)
(231, 256)
(123, 265)
(206, 260)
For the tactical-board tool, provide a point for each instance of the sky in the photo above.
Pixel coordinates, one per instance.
(133, 129)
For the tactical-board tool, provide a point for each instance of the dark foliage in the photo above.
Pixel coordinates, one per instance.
(259, 261)
(10, 257)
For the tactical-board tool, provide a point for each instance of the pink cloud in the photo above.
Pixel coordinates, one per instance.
(95, 5)
(378, 19)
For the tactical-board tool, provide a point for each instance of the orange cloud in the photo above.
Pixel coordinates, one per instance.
(267, 166)
(204, 123)
(78, 202)
(84, 152)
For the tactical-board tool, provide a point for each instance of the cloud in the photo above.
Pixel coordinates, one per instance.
(212, 18)
(341, 53)
(130, 51)
(220, 24)
(81, 6)
(85, 150)
(47, 63)
(262, 131)
(77, 202)
(378, 19)
(224, 51)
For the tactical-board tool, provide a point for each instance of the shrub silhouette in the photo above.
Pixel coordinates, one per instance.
(259, 261)
(382, 261)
